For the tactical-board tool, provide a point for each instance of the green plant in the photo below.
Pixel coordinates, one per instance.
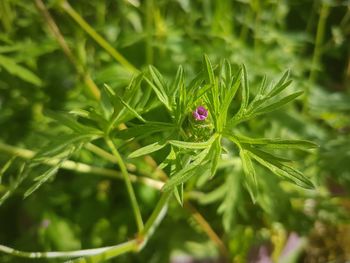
(195, 146)
(219, 145)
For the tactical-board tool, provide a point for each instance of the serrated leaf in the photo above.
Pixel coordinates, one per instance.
(147, 149)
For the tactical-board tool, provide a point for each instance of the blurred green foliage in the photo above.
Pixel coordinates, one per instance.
(50, 61)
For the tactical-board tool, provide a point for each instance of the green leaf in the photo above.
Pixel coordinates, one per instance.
(249, 172)
(13, 68)
(285, 171)
(209, 70)
(193, 145)
(179, 194)
(60, 144)
(22, 174)
(6, 166)
(277, 104)
(197, 167)
(185, 174)
(229, 95)
(245, 88)
(232, 199)
(265, 155)
(42, 179)
(159, 87)
(215, 155)
(131, 110)
(277, 143)
(143, 130)
(147, 149)
(69, 121)
(106, 104)
(213, 196)
(178, 82)
(280, 85)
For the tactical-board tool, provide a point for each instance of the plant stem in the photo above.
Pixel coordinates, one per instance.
(66, 50)
(104, 253)
(110, 253)
(133, 200)
(149, 30)
(80, 167)
(97, 37)
(121, 248)
(207, 229)
(157, 215)
(321, 26)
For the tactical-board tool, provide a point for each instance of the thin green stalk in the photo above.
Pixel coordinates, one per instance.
(80, 167)
(121, 248)
(321, 26)
(132, 196)
(100, 152)
(157, 212)
(149, 30)
(104, 253)
(93, 89)
(207, 229)
(97, 37)
(110, 253)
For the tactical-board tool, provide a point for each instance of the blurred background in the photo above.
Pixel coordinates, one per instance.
(56, 55)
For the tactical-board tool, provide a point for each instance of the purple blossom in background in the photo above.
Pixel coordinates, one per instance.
(200, 114)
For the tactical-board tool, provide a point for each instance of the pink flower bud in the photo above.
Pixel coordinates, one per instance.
(200, 114)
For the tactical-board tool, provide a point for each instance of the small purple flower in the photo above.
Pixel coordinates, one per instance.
(200, 114)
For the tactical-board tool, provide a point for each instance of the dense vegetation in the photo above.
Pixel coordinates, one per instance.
(150, 131)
